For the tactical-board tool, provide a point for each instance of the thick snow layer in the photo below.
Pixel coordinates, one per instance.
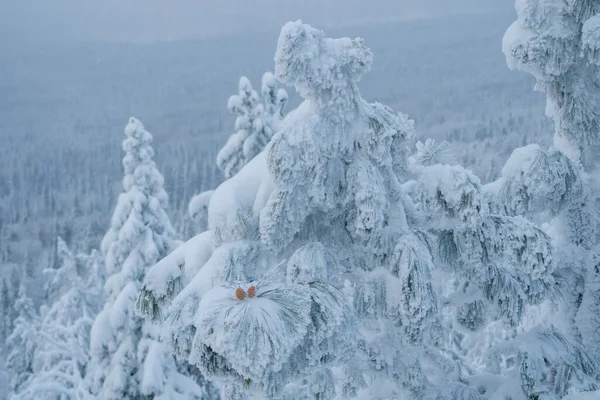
(520, 160)
(246, 192)
(591, 39)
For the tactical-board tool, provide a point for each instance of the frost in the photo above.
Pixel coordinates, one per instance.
(535, 181)
(257, 334)
(591, 39)
(553, 41)
(431, 153)
(450, 192)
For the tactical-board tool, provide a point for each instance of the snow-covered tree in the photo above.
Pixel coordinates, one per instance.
(255, 124)
(22, 342)
(60, 277)
(557, 42)
(62, 354)
(127, 357)
(317, 278)
(6, 310)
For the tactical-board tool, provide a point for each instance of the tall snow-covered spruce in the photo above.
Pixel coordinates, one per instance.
(319, 276)
(128, 360)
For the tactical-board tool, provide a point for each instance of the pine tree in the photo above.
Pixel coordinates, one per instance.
(318, 278)
(22, 342)
(557, 42)
(127, 358)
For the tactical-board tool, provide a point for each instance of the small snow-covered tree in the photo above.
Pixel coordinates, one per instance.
(255, 124)
(6, 310)
(60, 277)
(62, 355)
(318, 276)
(127, 358)
(22, 342)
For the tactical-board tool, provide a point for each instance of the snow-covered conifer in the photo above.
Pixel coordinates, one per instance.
(557, 41)
(6, 310)
(62, 354)
(22, 342)
(62, 275)
(274, 100)
(255, 124)
(317, 277)
(127, 358)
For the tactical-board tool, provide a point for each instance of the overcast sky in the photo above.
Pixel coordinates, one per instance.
(149, 20)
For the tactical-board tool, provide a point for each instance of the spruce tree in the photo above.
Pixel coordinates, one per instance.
(127, 360)
(6, 310)
(255, 124)
(60, 277)
(62, 355)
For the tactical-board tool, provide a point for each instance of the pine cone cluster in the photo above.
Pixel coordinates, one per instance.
(241, 294)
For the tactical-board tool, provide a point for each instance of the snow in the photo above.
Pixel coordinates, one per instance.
(333, 265)
(520, 159)
(255, 335)
(591, 39)
(431, 152)
(239, 194)
(583, 396)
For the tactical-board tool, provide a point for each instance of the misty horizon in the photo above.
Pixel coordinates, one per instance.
(34, 21)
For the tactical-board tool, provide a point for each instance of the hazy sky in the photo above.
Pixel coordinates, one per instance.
(148, 20)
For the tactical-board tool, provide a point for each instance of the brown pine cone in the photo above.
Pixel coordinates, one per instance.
(252, 291)
(240, 294)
